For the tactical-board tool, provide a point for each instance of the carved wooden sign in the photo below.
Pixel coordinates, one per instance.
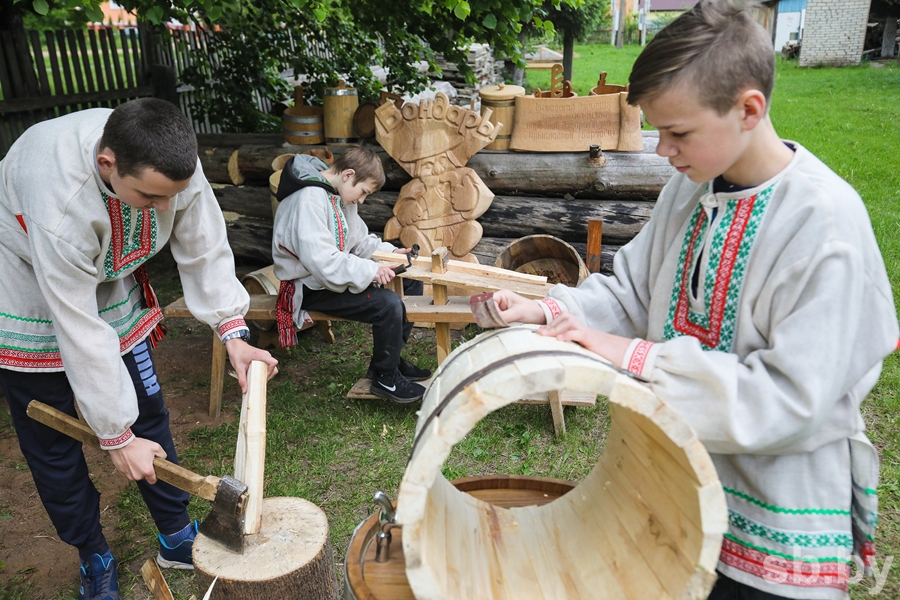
(433, 141)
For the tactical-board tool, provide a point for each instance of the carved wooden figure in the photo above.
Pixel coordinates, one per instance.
(432, 142)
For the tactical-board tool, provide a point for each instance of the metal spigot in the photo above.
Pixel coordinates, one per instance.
(387, 520)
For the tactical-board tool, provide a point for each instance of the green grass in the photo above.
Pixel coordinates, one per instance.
(586, 68)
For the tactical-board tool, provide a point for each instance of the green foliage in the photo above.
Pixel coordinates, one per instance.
(579, 21)
(57, 14)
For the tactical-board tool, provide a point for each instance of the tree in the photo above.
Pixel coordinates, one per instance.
(576, 23)
(249, 40)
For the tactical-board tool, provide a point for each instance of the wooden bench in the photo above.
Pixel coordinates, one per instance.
(440, 309)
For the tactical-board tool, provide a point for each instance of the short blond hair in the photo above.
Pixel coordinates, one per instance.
(365, 163)
(717, 48)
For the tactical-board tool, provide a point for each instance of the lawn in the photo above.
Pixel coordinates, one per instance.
(337, 453)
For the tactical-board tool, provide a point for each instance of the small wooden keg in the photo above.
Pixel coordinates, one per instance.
(262, 282)
(544, 255)
(366, 579)
(302, 125)
(340, 104)
(501, 99)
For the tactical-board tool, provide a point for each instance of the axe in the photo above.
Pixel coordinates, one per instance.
(224, 523)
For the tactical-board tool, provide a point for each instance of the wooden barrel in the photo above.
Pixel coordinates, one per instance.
(501, 99)
(340, 104)
(302, 125)
(544, 255)
(365, 579)
(262, 281)
(646, 522)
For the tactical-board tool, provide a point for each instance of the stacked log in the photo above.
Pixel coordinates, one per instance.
(487, 72)
(535, 193)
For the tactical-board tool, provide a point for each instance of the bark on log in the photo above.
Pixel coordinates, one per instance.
(290, 558)
(508, 216)
(632, 175)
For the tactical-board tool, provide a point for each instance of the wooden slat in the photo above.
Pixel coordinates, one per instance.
(84, 63)
(102, 97)
(115, 58)
(126, 57)
(54, 67)
(68, 53)
(41, 68)
(97, 64)
(250, 454)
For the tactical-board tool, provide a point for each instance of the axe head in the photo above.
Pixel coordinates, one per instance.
(225, 522)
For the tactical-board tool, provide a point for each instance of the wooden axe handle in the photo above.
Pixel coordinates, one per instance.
(205, 487)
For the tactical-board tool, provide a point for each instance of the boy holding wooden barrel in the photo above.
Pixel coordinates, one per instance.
(322, 251)
(756, 303)
(85, 200)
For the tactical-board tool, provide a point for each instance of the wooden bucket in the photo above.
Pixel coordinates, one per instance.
(340, 104)
(366, 579)
(607, 88)
(501, 99)
(262, 281)
(647, 522)
(302, 125)
(544, 255)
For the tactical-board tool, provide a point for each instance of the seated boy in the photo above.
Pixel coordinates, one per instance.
(756, 303)
(85, 200)
(322, 251)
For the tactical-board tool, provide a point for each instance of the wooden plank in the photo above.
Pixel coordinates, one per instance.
(103, 44)
(85, 63)
(567, 398)
(462, 266)
(115, 58)
(126, 56)
(489, 284)
(217, 377)
(68, 51)
(594, 245)
(155, 582)
(250, 455)
(17, 105)
(97, 65)
(41, 68)
(556, 410)
(360, 390)
(440, 258)
(54, 67)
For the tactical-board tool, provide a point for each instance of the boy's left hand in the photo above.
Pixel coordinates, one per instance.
(241, 354)
(567, 328)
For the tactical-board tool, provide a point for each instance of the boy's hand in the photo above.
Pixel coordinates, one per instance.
(516, 309)
(241, 354)
(135, 461)
(567, 328)
(384, 275)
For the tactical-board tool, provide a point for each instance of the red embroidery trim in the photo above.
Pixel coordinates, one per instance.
(116, 441)
(118, 236)
(639, 357)
(231, 325)
(794, 572)
(340, 221)
(553, 305)
(22, 223)
(710, 337)
(284, 314)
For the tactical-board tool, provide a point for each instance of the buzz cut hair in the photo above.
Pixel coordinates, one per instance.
(151, 133)
(364, 161)
(717, 48)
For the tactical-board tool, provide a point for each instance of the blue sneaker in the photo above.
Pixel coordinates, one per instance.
(99, 578)
(175, 549)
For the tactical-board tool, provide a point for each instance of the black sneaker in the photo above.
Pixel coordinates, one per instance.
(397, 387)
(99, 578)
(407, 369)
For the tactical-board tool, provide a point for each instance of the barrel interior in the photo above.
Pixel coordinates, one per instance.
(366, 579)
(544, 255)
(262, 281)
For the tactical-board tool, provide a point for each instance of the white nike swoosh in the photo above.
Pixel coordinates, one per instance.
(392, 388)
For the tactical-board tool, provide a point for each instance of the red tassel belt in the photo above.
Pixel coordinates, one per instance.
(150, 301)
(284, 314)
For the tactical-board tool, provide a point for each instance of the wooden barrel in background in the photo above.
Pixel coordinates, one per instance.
(501, 99)
(544, 255)
(303, 125)
(340, 104)
(365, 579)
(646, 522)
(262, 281)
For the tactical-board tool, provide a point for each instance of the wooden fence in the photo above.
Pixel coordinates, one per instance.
(51, 73)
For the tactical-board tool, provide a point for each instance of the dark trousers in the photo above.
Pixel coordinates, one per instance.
(729, 589)
(57, 463)
(381, 307)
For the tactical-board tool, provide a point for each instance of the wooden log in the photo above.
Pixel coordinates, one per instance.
(290, 558)
(508, 216)
(627, 175)
(218, 163)
(653, 535)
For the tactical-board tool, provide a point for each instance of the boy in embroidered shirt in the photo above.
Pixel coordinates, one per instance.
(322, 251)
(756, 303)
(85, 200)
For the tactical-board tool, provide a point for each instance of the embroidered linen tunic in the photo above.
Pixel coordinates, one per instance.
(319, 242)
(768, 361)
(68, 250)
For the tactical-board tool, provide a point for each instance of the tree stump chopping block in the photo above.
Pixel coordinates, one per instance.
(291, 557)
